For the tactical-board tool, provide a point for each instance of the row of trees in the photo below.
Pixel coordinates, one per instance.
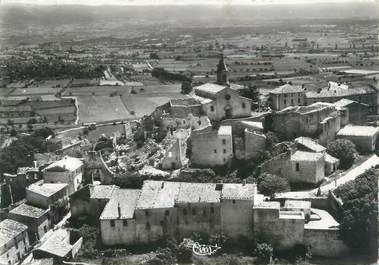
(50, 68)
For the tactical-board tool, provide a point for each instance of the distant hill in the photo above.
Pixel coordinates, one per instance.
(15, 16)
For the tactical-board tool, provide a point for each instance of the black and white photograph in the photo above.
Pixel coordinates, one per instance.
(189, 132)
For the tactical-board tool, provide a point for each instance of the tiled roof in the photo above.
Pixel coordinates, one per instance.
(337, 93)
(67, 163)
(57, 244)
(268, 205)
(350, 130)
(158, 194)
(344, 102)
(197, 193)
(238, 191)
(306, 156)
(126, 199)
(46, 189)
(9, 229)
(310, 144)
(29, 210)
(210, 88)
(101, 191)
(330, 159)
(287, 88)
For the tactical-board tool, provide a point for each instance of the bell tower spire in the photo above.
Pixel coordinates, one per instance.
(222, 71)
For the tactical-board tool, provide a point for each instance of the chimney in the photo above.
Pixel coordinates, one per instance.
(35, 164)
(162, 186)
(119, 210)
(244, 182)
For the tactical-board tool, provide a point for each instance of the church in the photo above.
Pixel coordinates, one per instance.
(221, 100)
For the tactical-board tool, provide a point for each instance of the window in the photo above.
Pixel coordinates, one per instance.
(212, 210)
(227, 97)
(234, 201)
(147, 213)
(223, 141)
(125, 222)
(18, 256)
(285, 101)
(45, 229)
(199, 122)
(224, 151)
(16, 243)
(193, 211)
(297, 167)
(215, 151)
(212, 108)
(243, 105)
(298, 100)
(292, 102)
(148, 227)
(167, 213)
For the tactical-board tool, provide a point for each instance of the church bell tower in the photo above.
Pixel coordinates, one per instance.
(222, 71)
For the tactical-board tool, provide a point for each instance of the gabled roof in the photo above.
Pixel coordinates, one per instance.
(310, 144)
(210, 88)
(306, 156)
(46, 189)
(126, 199)
(198, 193)
(158, 194)
(352, 130)
(57, 244)
(29, 211)
(287, 88)
(9, 229)
(66, 164)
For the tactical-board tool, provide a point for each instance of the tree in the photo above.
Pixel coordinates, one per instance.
(264, 252)
(359, 223)
(344, 150)
(186, 87)
(271, 139)
(154, 56)
(269, 184)
(184, 254)
(13, 132)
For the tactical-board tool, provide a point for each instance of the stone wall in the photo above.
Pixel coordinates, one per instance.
(255, 143)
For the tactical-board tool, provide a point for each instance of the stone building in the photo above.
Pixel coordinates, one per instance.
(320, 121)
(364, 137)
(222, 102)
(285, 96)
(14, 242)
(90, 200)
(211, 147)
(177, 209)
(36, 219)
(287, 227)
(67, 170)
(357, 111)
(53, 196)
(297, 166)
(333, 94)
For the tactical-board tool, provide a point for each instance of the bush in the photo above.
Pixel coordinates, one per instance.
(344, 150)
(269, 184)
(184, 254)
(264, 252)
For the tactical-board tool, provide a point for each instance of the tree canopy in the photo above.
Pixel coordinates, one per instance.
(344, 150)
(269, 184)
(359, 222)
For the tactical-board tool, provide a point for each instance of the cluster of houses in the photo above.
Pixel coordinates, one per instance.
(210, 128)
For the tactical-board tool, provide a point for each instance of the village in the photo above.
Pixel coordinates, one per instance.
(188, 152)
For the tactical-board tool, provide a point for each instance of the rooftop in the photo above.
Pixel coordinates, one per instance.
(158, 194)
(184, 102)
(306, 156)
(351, 130)
(210, 88)
(291, 215)
(46, 189)
(9, 229)
(101, 191)
(225, 130)
(287, 88)
(330, 159)
(321, 219)
(253, 124)
(337, 92)
(29, 210)
(294, 204)
(238, 191)
(126, 199)
(268, 205)
(310, 144)
(57, 244)
(65, 164)
(198, 193)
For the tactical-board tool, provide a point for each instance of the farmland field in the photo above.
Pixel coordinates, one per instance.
(101, 108)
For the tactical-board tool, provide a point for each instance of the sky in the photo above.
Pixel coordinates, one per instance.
(174, 2)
